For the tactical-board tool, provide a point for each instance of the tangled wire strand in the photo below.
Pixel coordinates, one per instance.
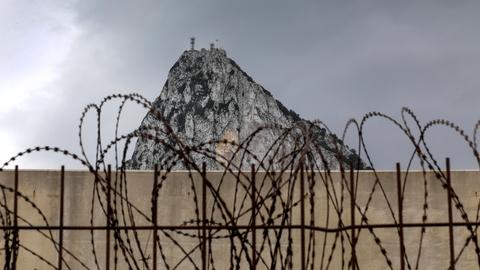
(277, 176)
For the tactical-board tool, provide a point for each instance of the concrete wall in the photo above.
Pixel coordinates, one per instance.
(177, 206)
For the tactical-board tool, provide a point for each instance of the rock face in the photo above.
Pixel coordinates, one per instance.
(208, 97)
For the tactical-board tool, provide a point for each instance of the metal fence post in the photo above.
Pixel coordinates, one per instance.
(400, 217)
(450, 216)
(16, 240)
(204, 216)
(302, 216)
(352, 217)
(254, 217)
(62, 198)
(109, 215)
(154, 215)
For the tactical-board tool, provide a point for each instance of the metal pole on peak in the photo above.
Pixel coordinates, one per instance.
(192, 43)
(212, 46)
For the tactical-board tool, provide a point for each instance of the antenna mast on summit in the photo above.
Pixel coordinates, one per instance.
(192, 43)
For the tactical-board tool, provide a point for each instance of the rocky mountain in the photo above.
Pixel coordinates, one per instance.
(208, 97)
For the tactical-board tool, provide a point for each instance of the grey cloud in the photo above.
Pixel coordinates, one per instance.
(324, 59)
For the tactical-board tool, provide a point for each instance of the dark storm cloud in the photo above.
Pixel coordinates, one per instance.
(324, 59)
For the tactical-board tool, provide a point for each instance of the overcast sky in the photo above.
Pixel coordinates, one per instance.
(328, 60)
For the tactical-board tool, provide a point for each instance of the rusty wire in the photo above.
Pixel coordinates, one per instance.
(266, 195)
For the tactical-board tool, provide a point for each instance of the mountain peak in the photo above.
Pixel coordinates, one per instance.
(207, 97)
(194, 58)
(212, 52)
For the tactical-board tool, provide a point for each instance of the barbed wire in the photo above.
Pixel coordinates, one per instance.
(277, 179)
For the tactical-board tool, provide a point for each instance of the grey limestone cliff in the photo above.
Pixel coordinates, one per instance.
(208, 97)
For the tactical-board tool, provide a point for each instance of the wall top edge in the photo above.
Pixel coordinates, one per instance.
(220, 171)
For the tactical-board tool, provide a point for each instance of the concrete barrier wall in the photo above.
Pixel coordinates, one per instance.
(179, 203)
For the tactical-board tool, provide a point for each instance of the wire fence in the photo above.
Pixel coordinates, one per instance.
(254, 236)
(304, 201)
